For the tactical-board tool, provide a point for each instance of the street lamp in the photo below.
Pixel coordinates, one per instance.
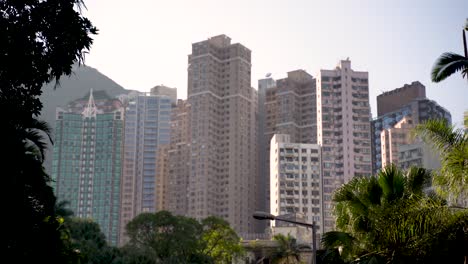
(259, 215)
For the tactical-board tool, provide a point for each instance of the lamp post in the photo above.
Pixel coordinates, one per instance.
(266, 216)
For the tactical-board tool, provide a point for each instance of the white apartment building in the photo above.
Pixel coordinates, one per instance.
(295, 180)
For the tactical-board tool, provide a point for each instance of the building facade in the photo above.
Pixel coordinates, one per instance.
(419, 110)
(263, 146)
(343, 129)
(147, 128)
(418, 154)
(223, 132)
(286, 106)
(295, 182)
(87, 160)
(392, 138)
(393, 100)
(179, 159)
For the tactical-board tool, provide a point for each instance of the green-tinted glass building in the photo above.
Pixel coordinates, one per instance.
(87, 160)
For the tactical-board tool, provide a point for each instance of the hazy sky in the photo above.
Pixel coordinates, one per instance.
(142, 43)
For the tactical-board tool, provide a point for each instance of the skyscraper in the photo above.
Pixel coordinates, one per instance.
(286, 106)
(343, 129)
(223, 133)
(87, 159)
(147, 128)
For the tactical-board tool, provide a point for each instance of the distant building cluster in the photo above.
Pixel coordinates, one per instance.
(229, 149)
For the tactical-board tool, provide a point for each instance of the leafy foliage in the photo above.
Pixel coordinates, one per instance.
(219, 240)
(41, 40)
(452, 145)
(288, 251)
(390, 218)
(165, 238)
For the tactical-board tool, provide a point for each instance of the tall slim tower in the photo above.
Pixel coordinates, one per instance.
(147, 128)
(87, 159)
(343, 129)
(223, 159)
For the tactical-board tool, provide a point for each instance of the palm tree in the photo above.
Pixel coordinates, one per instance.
(452, 145)
(288, 251)
(391, 218)
(448, 63)
(33, 228)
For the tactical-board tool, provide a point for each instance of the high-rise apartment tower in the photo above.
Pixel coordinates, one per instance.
(87, 159)
(343, 129)
(147, 128)
(223, 133)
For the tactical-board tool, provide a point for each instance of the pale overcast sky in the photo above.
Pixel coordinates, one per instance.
(142, 43)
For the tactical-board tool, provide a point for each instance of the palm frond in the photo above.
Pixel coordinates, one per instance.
(42, 126)
(417, 179)
(440, 134)
(335, 239)
(448, 64)
(34, 136)
(392, 182)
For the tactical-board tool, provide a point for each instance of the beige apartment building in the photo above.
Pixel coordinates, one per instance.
(295, 183)
(343, 129)
(178, 159)
(286, 106)
(223, 175)
(392, 138)
(290, 108)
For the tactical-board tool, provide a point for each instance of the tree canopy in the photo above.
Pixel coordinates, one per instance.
(166, 238)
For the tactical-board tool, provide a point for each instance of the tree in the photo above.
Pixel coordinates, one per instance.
(87, 239)
(171, 239)
(452, 145)
(288, 251)
(164, 238)
(41, 40)
(391, 218)
(33, 230)
(219, 240)
(449, 63)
